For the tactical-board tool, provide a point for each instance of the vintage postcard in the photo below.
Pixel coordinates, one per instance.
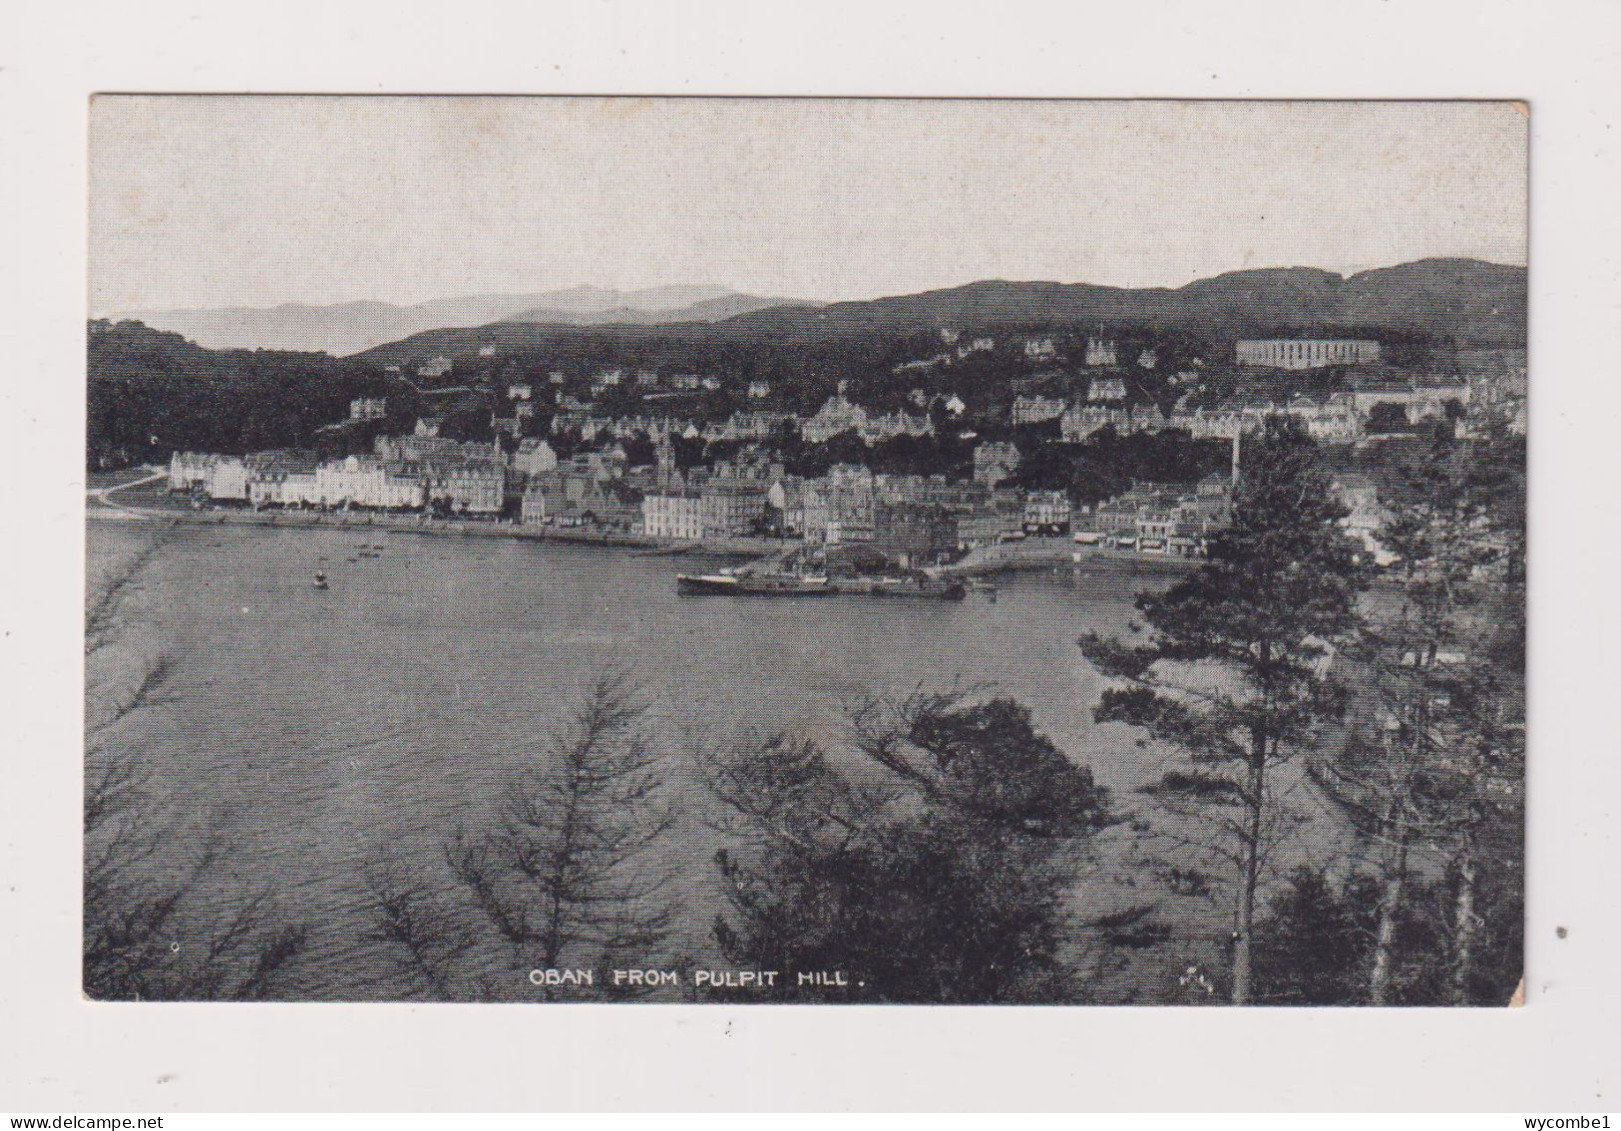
(813, 551)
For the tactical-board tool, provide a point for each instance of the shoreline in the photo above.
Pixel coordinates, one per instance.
(446, 528)
(1013, 556)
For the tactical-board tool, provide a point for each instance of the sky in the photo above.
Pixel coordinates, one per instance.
(204, 201)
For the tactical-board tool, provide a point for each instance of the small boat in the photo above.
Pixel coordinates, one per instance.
(320, 580)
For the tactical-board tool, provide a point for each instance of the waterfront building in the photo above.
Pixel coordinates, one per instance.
(673, 514)
(269, 471)
(1303, 353)
(365, 481)
(813, 510)
(463, 485)
(543, 499)
(1046, 512)
(838, 510)
(189, 471)
(927, 490)
(731, 509)
(298, 489)
(1162, 518)
(912, 534)
(995, 520)
(205, 473)
(608, 505)
(228, 479)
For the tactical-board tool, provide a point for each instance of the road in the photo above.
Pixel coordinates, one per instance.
(102, 496)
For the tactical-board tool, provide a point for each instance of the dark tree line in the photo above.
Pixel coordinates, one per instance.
(151, 393)
(1107, 463)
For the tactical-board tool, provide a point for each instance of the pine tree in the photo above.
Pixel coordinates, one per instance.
(1437, 758)
(154, 926)
(568, 873)
(1235, 667)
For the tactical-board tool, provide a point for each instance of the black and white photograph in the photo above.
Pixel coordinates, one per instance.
(805, 551)
(751, 560)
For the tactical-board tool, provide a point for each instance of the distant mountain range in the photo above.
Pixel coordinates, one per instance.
(1476, 302)
(351, 327)
(1472, 301)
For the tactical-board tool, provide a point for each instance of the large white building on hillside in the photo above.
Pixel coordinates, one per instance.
(1303, 353)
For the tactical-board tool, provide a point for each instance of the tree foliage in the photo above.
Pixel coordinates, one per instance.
(934, 879)
(566, 873)
(1234, 668)
(155, 925)
(1316, 941)
(1435, 756)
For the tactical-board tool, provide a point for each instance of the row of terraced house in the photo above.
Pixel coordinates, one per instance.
(1338, 418)
(1159, 518)
(464, 478)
